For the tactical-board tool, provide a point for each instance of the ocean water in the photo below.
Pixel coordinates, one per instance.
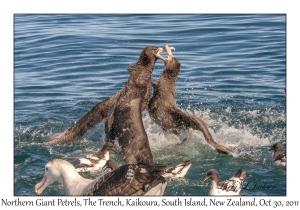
(233, 71)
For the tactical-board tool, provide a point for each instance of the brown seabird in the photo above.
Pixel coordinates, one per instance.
(88, 121)
(163, 109)
(279, 158)
(232, 186)
(124, 126)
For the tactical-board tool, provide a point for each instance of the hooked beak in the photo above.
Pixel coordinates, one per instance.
(39, 187)
(160, 50)
(169, 50)
(206, 178)
(158, 55)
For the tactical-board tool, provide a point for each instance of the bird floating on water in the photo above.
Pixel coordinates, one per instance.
(94, 162)
(127, 180)
(279, 158)
(178, 171)
(232, 186)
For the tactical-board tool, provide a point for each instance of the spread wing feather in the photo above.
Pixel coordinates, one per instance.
(89, 120)
(186, 120)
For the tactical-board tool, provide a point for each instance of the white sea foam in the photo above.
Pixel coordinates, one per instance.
(224, 129)
(227, 128)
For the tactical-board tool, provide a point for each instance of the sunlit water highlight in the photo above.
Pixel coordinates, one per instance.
(233, 69)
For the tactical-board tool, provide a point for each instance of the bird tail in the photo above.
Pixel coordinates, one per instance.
(240, 174)
(150, 172)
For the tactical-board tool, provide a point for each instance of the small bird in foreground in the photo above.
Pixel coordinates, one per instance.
(232, 186)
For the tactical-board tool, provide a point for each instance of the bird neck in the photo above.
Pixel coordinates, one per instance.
(167, 86)
(168, 78)
(216, 178)
(73, 183)
(214, 184)
(100, 153)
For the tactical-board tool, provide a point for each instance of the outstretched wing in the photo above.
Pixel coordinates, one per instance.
(89, 120)
(186, 120)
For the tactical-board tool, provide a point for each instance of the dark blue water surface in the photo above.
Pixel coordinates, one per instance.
(233, 71)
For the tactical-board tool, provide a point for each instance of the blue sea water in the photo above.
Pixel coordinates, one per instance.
(233, 71)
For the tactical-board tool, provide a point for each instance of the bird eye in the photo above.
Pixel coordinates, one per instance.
(46, 169)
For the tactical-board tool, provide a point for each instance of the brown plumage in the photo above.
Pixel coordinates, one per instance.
(124, 125)
(163, 109)
(88, 121)
(178, 171)
(111, 164)
(279, 158)
(126, 180)
(232, 186)
(94, 162)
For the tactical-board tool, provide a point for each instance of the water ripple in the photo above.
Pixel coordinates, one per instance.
(233, 71)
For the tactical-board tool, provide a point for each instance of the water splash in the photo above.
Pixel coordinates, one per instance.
(227, 128)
